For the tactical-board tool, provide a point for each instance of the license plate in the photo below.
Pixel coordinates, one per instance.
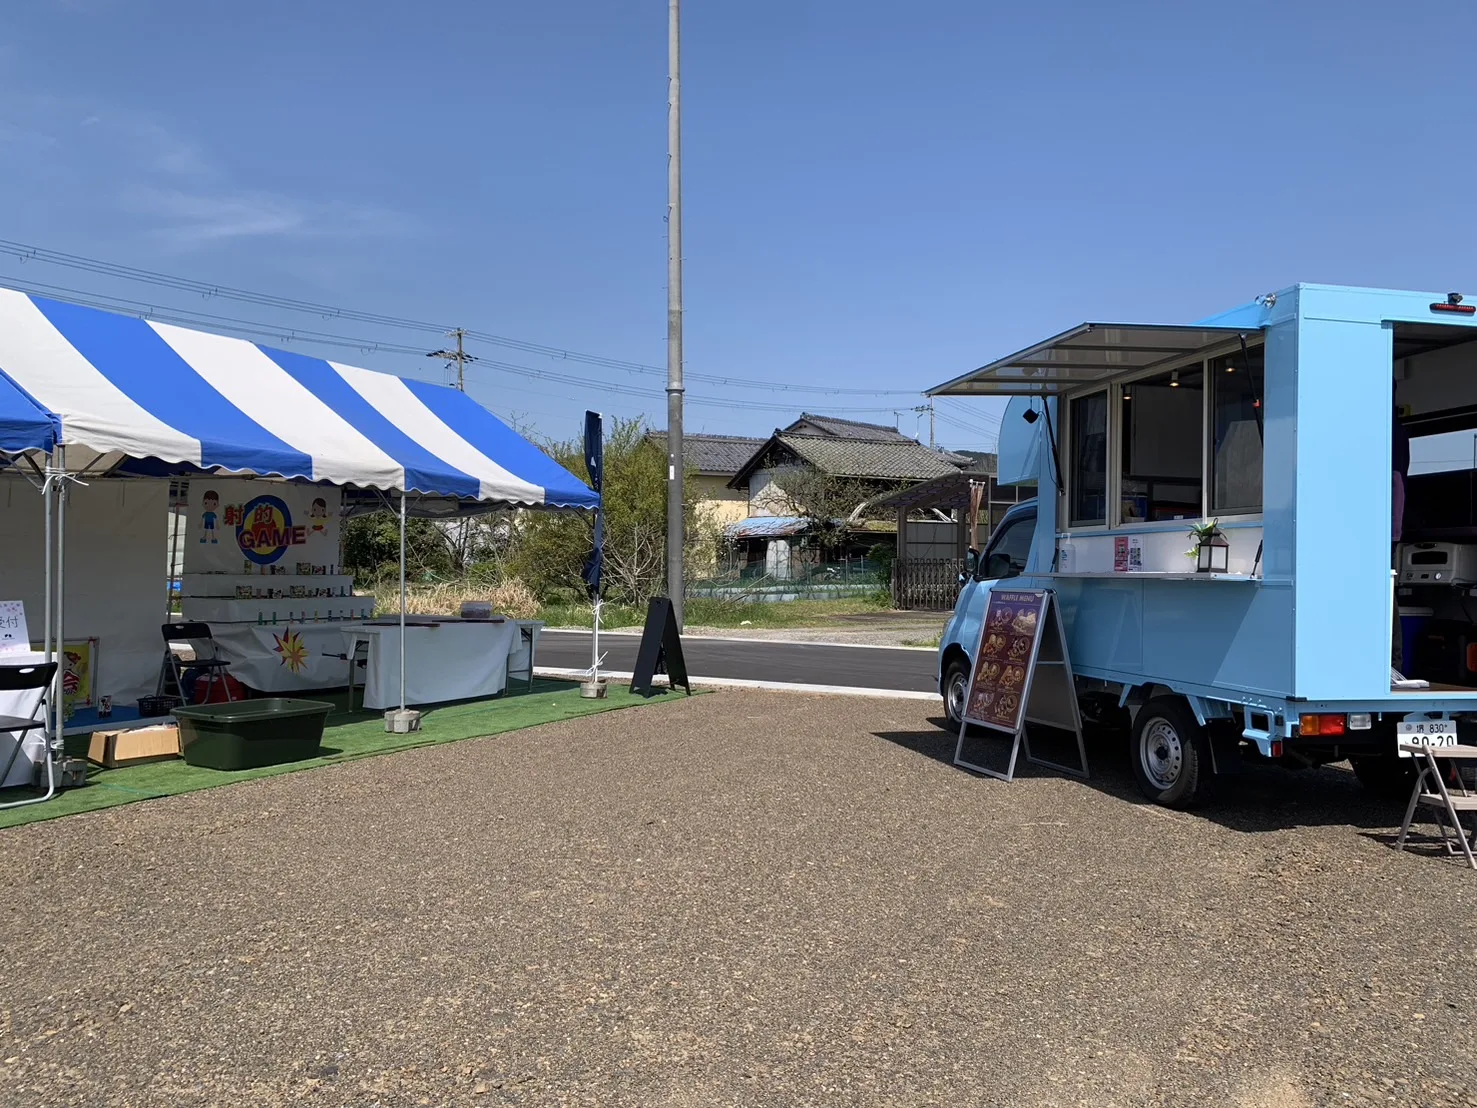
(1426, 732)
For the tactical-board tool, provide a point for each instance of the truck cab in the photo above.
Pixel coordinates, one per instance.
(1004, 557)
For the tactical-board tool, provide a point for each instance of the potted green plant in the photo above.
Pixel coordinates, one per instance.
(1212, 553)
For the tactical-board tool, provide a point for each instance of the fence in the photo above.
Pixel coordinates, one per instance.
(926, 584)
(841, 579)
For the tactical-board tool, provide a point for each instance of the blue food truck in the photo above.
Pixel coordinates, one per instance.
(1243, 570)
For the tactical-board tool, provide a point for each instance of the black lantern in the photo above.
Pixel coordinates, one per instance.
(1213, 553)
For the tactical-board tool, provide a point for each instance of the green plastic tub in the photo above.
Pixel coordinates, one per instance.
(251, 733)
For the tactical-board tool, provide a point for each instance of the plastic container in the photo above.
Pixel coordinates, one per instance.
(251, 733)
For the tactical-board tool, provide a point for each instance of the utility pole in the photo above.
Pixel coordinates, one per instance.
(459, 356)
(675, 584)
(932, 437)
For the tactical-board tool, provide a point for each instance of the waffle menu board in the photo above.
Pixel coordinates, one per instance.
(1003, 662)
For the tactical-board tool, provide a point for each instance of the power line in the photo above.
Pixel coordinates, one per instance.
(27, 252)
(966, 411)
(265, 332)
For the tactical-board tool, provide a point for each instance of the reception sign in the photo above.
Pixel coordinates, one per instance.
(14, 637)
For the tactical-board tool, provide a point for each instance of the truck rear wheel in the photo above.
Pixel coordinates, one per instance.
(1171, 753)
(1388, 776)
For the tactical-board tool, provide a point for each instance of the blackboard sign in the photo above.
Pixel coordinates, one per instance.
(661, 650)
(1022, 675)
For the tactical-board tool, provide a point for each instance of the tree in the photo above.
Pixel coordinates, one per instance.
(551, 548)
(825, 500)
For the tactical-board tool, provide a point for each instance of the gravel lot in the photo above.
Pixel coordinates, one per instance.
(739, 899)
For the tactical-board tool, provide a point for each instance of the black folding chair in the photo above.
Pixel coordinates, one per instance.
(206, 659)
(32, 677)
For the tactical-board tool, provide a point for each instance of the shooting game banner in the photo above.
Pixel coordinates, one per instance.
(238, 526)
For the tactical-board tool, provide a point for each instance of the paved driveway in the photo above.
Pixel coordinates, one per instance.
(741, 898)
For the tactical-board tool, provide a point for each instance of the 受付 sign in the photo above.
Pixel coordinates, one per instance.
(14, 637)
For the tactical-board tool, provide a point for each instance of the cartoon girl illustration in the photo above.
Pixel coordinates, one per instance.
(208, 505)
(318, 513)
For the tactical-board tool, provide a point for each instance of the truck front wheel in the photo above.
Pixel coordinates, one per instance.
(1171, 753)
(956, 691)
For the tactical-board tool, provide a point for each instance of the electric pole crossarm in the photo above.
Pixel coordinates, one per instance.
(459, 357)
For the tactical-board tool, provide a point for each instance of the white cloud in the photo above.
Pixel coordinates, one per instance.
(168, 186)
(190, 220)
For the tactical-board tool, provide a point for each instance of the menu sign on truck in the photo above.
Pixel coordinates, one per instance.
(1007, 652)
(1022, 674)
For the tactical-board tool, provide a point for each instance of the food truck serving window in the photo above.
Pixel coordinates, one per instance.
(1236, 432)
(1160, 446)
(1089, 473)
(1181, 443)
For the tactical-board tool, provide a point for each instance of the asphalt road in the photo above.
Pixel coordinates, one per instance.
(757, 660)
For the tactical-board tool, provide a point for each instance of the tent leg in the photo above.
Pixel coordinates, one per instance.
(402, 602)
(57, 706)
(401, 720)
(595, 644)
(50, 493)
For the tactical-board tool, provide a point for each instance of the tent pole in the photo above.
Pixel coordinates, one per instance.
(61, 593)
(174, 545)
(595, 643)
(47, 496)
(402, 601)
(48, 489)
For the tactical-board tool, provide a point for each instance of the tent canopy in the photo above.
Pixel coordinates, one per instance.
(126, 388)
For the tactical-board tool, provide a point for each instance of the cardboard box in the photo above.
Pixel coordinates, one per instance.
(111, 749)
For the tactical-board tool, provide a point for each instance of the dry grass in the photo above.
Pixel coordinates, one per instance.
(510, 598)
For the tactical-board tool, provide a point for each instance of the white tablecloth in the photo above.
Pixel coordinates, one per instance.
(27, 705)
(443, 661)
(283, 657)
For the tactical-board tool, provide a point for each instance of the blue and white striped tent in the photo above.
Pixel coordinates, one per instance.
(117, 389)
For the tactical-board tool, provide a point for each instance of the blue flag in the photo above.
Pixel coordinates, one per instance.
(595, 466)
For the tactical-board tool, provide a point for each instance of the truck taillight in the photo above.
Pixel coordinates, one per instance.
(1320, 725)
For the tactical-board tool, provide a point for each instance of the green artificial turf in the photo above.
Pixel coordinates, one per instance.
(347, 736)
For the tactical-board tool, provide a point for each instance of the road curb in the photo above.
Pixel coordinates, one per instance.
(740, 683)
(741, 638)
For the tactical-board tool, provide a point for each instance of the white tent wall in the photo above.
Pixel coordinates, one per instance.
(114, 587)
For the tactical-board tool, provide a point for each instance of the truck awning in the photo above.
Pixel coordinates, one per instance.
(1087, 354)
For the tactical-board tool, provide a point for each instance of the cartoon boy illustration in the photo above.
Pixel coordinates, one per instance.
(208, 503)
(318, 513)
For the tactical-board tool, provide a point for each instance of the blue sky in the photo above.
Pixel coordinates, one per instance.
(878, 195)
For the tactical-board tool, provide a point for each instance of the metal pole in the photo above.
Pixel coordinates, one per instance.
(932, 440)
(48, 489)
(595, 644)
(61, 623)
(174, 545)
(675, 469)
(402, 601)
(461, 357)
(48, 495)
